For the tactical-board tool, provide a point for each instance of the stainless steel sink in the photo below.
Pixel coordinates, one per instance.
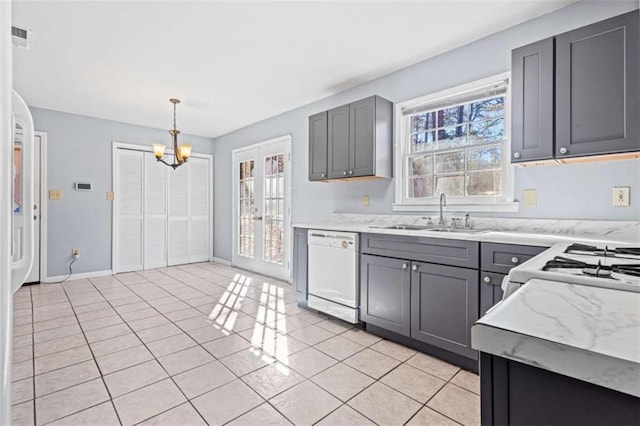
(407, 227)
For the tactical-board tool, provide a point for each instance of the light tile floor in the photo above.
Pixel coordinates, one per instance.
(208, 344)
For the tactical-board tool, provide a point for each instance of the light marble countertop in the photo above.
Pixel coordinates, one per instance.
(538, 238)
(588, 333)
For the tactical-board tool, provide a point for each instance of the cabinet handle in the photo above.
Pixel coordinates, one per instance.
(404, 266)
(414, 268)
(323, 175)
(563, 150)
(516, 155)
(487, 279)
(515, 260)
(350, 172)
(344, 173)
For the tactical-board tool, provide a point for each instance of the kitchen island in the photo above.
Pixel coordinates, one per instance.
(558, 353)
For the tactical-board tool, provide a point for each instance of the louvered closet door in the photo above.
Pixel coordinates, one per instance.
(155, 213)
(178, 247)
(129, 212)
(199, 206)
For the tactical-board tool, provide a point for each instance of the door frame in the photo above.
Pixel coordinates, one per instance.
(287, 189)
(115, 145)
(43, 204)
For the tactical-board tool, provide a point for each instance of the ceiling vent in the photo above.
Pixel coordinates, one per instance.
(21, 37)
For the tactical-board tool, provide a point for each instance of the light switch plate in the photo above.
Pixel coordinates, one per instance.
(55, 194)
(365, 201)
(620, 196)
(529, 197)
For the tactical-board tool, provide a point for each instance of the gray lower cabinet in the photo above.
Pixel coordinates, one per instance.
(318, 146)
(490, 290)
(512, 393)
(444, 306)
(532, 101)
(385, 293)
(300, 259)
(597, 88)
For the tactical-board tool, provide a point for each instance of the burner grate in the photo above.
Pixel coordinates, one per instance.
(621, 252)
(598, 270)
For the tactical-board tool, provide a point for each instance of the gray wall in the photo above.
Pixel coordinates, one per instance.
(79, 149)
(580, 191)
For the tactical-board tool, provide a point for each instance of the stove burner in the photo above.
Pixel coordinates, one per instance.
(599, 270)
(603, 252)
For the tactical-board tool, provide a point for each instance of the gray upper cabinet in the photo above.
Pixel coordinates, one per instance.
(338, 141)
(597, 89)
(532, 102)
(577, 94)
(444, 306)
(385, 293)
(318, 146)
(358, 141)
(362, 126)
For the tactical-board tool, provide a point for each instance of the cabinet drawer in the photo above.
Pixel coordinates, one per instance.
(502, 257)
(433, 250)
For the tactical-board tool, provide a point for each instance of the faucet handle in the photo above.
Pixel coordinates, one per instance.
(428, 219)
(456, 221)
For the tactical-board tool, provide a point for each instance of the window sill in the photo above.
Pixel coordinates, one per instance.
(504, 207)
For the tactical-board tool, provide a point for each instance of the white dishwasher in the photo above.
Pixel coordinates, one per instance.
(333, 273)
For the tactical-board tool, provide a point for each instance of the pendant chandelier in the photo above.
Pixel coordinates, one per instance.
(180, 153)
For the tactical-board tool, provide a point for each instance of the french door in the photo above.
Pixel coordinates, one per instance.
(261, 208)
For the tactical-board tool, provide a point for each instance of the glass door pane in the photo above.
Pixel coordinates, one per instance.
(274, 208)
(246, 209)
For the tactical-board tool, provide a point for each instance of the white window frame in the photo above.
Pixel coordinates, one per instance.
(402, 147)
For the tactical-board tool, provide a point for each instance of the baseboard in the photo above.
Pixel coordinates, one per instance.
(221, 261)
(79, 276)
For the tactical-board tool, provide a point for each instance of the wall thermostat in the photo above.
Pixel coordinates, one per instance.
(83, 186)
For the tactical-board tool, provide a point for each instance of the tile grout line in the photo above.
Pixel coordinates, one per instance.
(95, 362)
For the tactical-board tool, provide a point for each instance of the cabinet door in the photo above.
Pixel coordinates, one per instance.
(444, 306)
(490, 290)
(532, 102)
(338, 140)
(597, 88)
(385, 291)
(318, 146)
(300, 258)
(362, 125)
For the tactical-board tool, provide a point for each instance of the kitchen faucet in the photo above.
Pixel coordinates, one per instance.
(443, 202)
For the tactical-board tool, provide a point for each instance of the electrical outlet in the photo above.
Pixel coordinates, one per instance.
(365, 201)
(75, 253)
(620, 196)
(55, 194)
(111, 195)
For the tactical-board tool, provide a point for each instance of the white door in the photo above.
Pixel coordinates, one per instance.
(155, 213)
(200, 180)
(129, 210)
(261, 208)
(190, 212)
(19, 216)
(178, 249)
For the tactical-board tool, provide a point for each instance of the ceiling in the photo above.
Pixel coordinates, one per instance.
(233, 63)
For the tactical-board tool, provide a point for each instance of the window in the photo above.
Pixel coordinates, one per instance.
(455, 142)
